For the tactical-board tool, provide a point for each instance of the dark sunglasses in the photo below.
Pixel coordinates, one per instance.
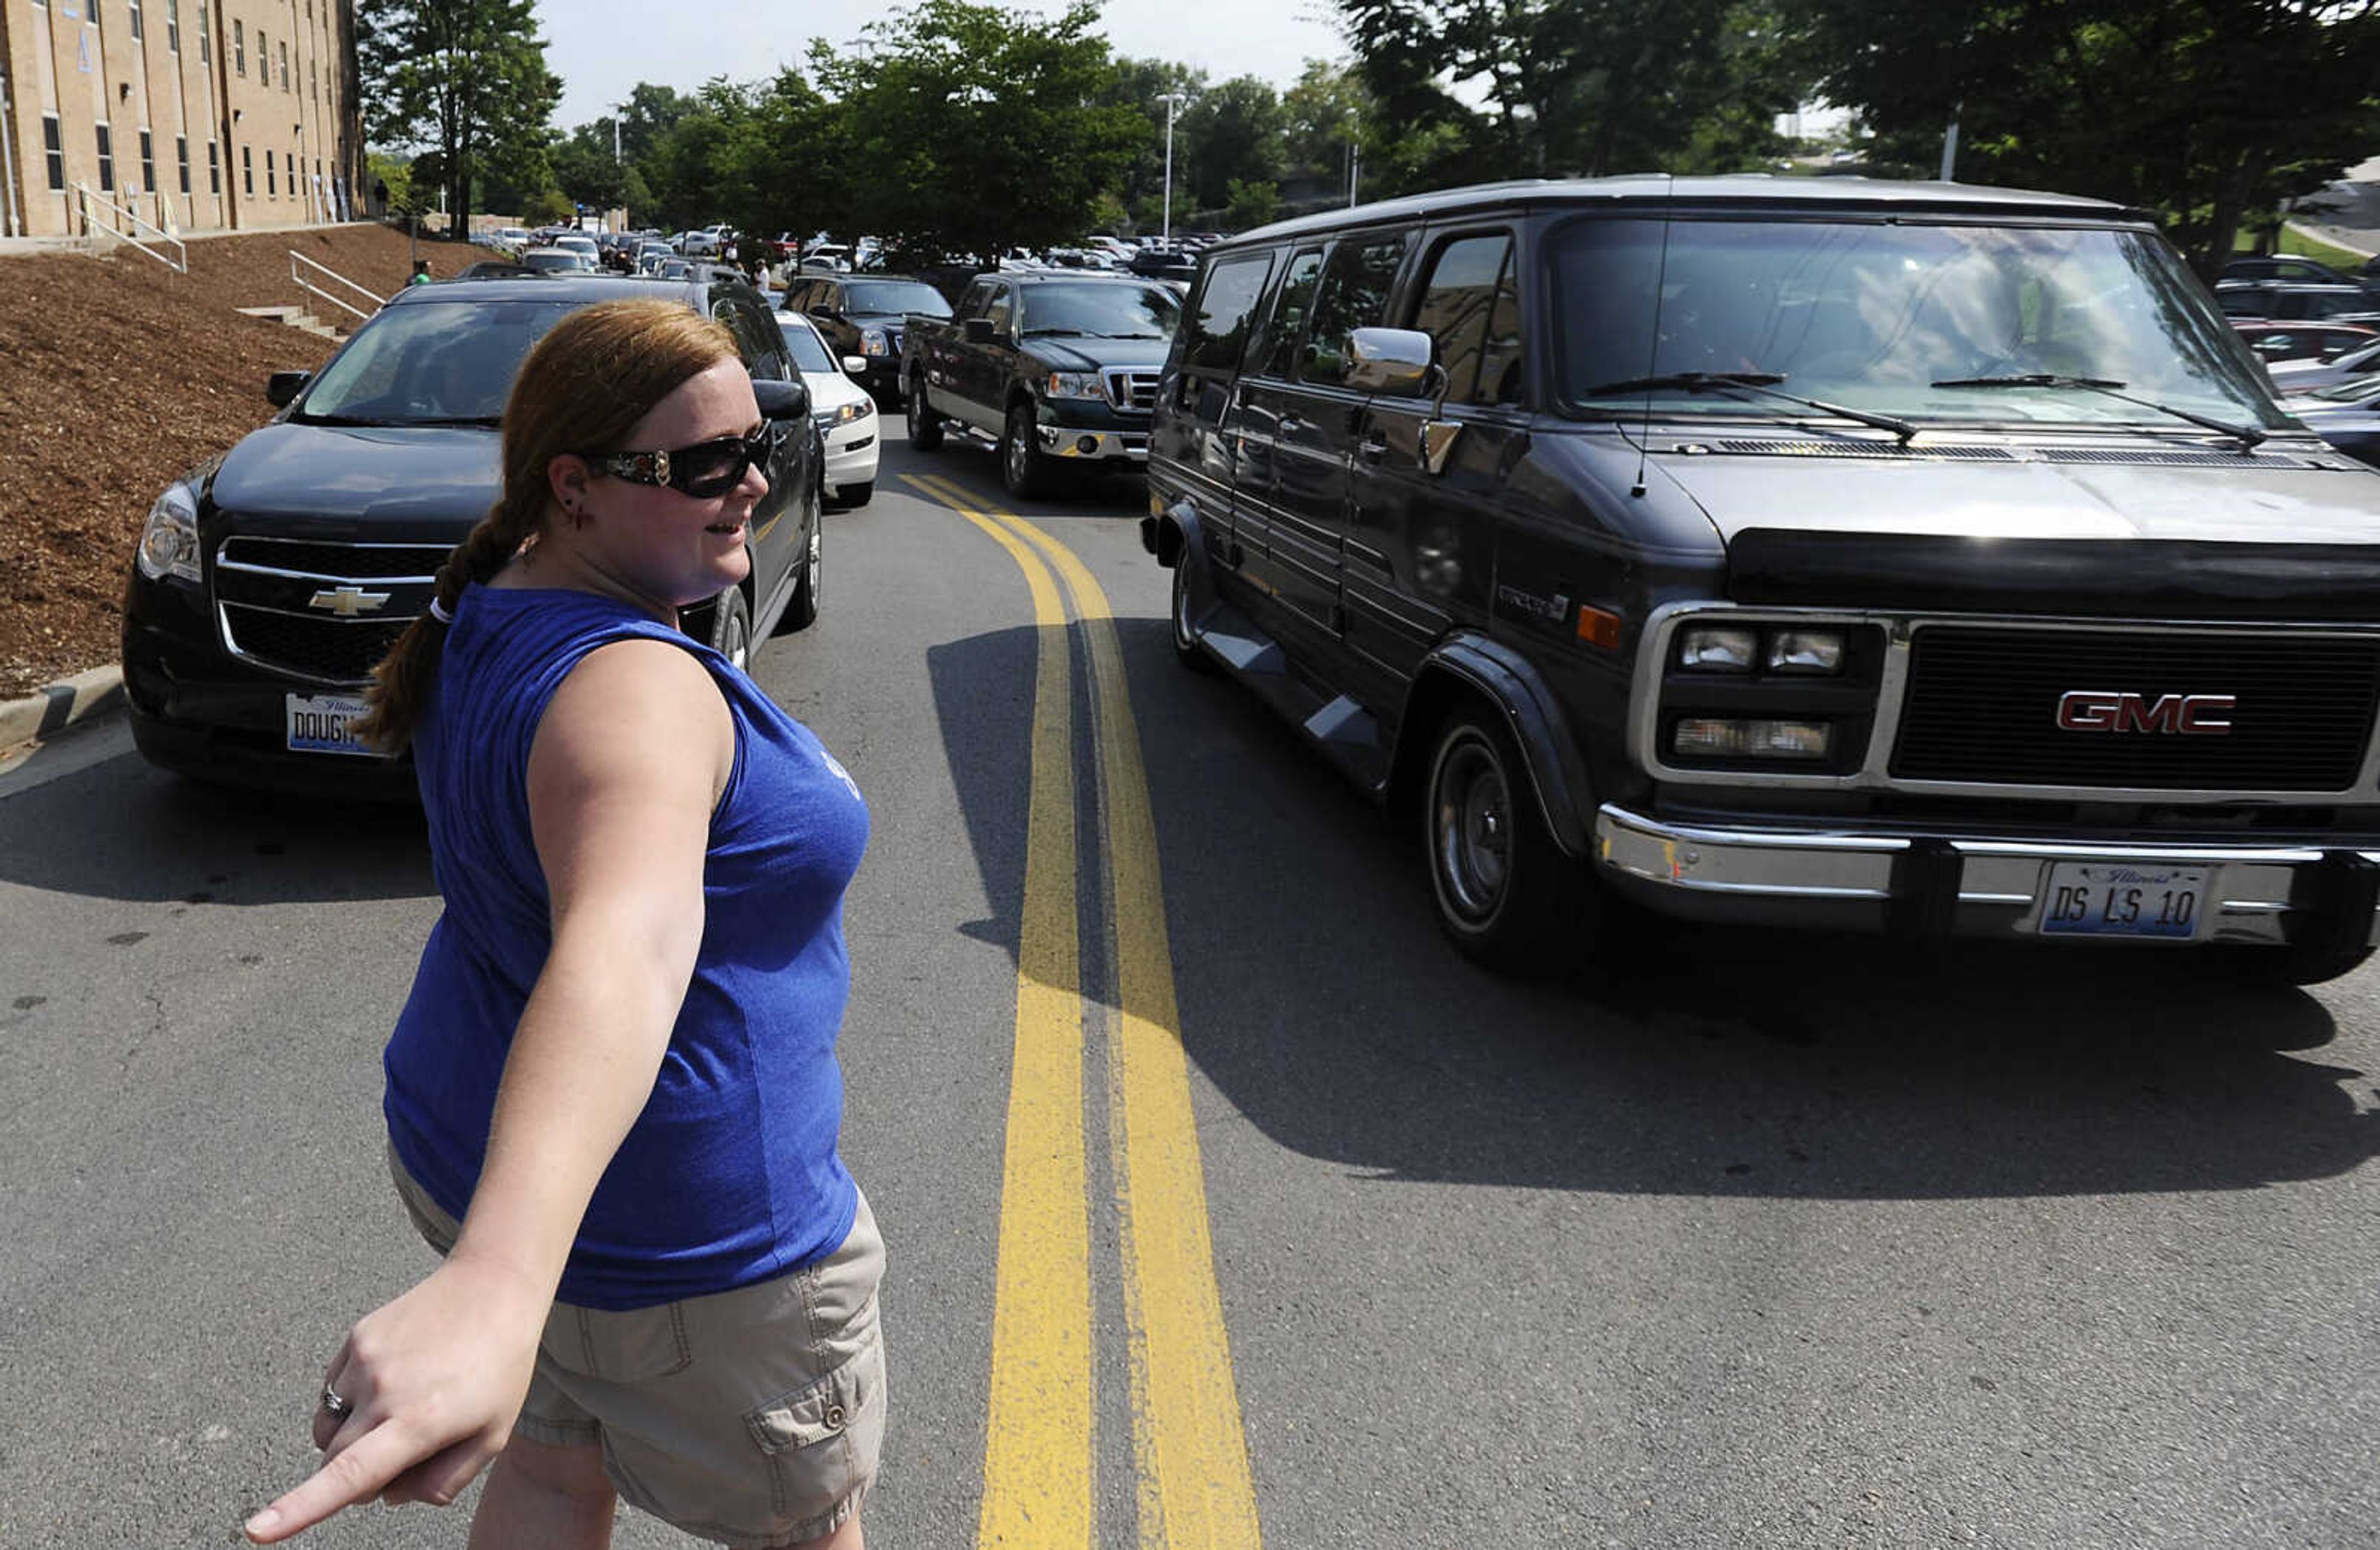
(705, 471)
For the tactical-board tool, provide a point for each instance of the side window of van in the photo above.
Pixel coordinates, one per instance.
(1277, 351)
(1355, 294)
(1217, 325)
(1468, 307)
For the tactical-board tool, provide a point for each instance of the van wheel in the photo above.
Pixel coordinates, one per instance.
(1023, 469)
(1187, 650)
(1503, 889)
(925, 426)
(731, 627)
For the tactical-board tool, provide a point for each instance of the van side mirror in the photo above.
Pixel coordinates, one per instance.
(978, 330)
(781, 400)
(283, 386)
(1389, 361)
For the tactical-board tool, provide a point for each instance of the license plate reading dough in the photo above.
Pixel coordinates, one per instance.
(2124, 899)
(318, 724)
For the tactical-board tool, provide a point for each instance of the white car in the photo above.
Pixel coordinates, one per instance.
(846, 416)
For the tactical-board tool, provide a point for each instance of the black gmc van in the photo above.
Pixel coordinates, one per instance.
(1914, 558)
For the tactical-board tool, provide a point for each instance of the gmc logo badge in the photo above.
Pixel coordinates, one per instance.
(2103, 710)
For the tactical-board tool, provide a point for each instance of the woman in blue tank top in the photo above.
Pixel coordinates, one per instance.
(612, 1096)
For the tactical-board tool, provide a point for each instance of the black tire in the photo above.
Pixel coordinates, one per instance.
(1187, 650)
(848, 496)
(1505, 893)
(1024, 471)
(925, 426)
(731, 627)
(2280, 967)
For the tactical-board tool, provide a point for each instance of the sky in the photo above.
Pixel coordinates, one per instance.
(602, 48)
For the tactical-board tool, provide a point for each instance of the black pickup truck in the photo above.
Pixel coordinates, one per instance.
(1059, 368)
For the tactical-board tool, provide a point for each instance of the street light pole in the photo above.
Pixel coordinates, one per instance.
(1169, 99)
(1354, 157)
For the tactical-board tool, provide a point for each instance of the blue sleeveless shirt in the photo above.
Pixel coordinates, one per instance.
(730, 1175)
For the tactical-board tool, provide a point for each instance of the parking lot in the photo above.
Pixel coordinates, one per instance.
(1735, 1240)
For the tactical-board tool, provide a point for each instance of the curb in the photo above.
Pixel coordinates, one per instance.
(68, 702)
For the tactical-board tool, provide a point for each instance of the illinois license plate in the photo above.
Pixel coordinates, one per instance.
(319, 725)
(2124, 899)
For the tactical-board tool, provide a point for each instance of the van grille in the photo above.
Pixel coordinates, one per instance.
(1981, 707)
(264, 589)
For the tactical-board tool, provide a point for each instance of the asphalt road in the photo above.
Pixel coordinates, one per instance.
(1737, 1240)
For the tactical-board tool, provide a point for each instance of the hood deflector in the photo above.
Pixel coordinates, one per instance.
(2105, 579)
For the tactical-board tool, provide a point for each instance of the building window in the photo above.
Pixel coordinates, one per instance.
(206, 48)
(54, 151)
(147, 162)
(215, 169)
(284, 65)
(174, 29)
(247, 172)
(182, 158)
(106, 159)
(238, 48)
(271, 185)
(136, 20)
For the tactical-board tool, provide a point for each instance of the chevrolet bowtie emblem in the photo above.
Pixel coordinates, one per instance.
(347, 601)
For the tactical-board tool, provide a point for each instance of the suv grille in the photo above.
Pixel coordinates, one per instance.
(1982, 706)
(1133, 390)
(265, 591)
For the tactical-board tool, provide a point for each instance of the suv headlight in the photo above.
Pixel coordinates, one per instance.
(1074, 384)
(169, 539)
(872, 341)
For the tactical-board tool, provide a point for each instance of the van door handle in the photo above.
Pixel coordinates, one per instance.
(1372, 447)
(1291, 424)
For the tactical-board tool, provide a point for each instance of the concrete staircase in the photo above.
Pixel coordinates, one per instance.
(297, 318)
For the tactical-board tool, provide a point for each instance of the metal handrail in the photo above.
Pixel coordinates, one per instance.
(298, 277)
(180, 263)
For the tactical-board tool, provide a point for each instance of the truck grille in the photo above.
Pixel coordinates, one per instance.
(1133, 390)
(1982, 706)
(264, 590)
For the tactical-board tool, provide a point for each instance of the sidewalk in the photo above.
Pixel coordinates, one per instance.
(69, 702)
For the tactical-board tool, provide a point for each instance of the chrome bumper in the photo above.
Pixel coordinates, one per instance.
(1974, 885)
(1061, 441)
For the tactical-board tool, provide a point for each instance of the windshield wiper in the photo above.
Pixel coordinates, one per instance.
(305, 417)
(491, 421)
(1763, 382)
(1041, 332)
(2247, 435)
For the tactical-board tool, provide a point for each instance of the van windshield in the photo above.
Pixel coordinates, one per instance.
(1879, 318)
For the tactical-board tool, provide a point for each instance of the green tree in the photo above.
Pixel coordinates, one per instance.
(1231, 134)
(968, 128)
(465, 79)
(2209, 112)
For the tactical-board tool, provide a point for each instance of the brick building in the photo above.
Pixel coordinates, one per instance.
(194, 115)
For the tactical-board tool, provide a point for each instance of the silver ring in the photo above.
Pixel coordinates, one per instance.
(332, 1405)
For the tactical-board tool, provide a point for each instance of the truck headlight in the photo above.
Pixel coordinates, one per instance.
(1726, 737)
(1805, 651)
(1717, 648)
(169, 539)
(1074, 384)
(872, 341)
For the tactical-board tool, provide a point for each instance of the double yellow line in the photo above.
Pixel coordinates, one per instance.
(1188, 1445)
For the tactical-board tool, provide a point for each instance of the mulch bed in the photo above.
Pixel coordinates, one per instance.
(116, 375)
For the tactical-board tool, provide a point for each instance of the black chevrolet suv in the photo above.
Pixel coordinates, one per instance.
(269, 581)
(1903, 558)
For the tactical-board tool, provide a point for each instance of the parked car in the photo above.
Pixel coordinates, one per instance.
(556, 261)
(1906, 558)
(269, 581)
(846, 416)
(862, 317)
(1163, 263)
(2346, 415)
(2285, 266)
(2305, 376)
(1061, 368)
(828, 258)
(2289, 299)
(2277, 342)
(707, 243)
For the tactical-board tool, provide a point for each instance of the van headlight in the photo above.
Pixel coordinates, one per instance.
(169, 539)
(1717, 648)
(1805, 651)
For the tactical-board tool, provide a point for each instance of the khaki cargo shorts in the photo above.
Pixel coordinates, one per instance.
(753, 1418)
